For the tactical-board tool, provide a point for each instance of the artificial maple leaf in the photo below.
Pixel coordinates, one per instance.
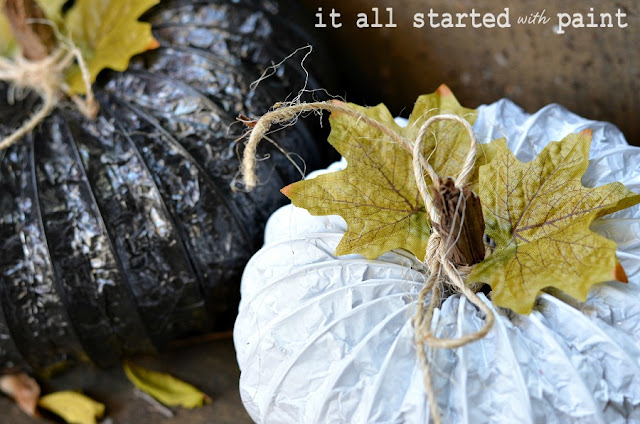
(108, 33)
(538, 214)
(52, 9)
(7, 42)
(73, 407)
(377, 194)
(165, 388)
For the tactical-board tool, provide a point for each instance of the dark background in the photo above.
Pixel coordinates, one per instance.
(594, 72)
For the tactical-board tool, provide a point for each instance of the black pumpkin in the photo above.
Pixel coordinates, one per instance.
(121, 234)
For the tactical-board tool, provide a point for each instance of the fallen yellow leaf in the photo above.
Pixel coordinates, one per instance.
(73, 407)
(165, 388)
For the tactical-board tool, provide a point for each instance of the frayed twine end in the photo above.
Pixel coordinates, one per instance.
(286, 114)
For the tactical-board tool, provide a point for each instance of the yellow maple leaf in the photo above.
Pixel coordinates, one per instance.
(72, 407)
(108, 33)
(7, 42)
(52, 9)
(377, 194)
(164, 387)
(538, 214)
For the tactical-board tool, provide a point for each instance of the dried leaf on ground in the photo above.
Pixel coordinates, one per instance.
(23, 389)
(73, 407)
(164, 387)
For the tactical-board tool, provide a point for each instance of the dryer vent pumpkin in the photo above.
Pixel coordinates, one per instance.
(325, 334)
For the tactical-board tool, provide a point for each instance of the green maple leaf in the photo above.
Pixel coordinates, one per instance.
(377, 194)
(538, 214)
(109, 34)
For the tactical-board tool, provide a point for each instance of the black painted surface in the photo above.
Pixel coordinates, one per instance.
(121, 234)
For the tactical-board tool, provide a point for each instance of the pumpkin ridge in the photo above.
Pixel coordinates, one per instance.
(580, 316)
(281, 46)
(179, 55)
(240, 211)
(135, 332)
(300, 309)
(187, 256)
(249, 5)
(52, 231)
(138, 340)
(551, 338)
(65, 339)
(205, 54)
(214, 107)
(379, 381)
(503, 333)
(214, 287)
(343, 368)
(8, 345)
(9, 350)
(273, 50)
(285, 367)
(178, 146)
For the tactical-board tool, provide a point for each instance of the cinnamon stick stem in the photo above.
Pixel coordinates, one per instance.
(461, 222)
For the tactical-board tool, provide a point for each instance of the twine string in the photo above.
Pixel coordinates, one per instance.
(46, 77)
(288, 113)
(437, 249)
(441, 268)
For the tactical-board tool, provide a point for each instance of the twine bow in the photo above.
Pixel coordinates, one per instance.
(442, 271)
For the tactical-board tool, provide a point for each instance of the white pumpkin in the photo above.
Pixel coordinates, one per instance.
(322, 339)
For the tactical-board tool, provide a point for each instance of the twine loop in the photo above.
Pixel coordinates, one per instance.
(442, 271)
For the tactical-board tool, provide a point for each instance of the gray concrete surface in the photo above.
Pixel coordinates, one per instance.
(211, 366)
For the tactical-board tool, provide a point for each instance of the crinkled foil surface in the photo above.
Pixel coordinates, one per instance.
(321, 339)
(121, 234)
